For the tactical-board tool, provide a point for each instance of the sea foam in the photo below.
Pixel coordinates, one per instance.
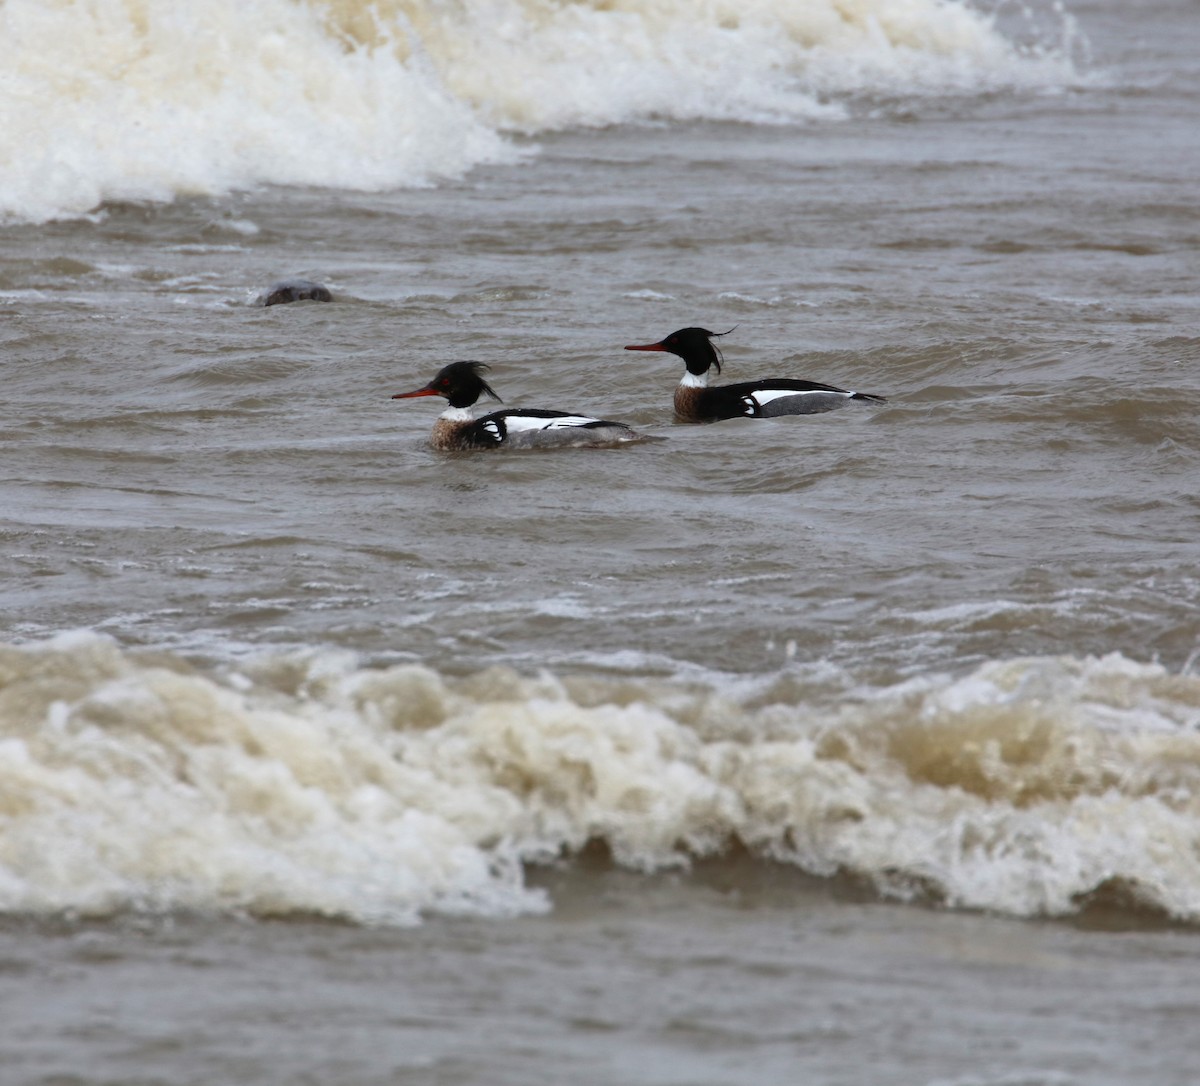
(303, 784)
(132, 101)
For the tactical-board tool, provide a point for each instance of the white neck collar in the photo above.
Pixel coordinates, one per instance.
(694, 380)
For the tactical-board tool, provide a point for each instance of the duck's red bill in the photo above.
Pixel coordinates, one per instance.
(646, 347)
(426, 391)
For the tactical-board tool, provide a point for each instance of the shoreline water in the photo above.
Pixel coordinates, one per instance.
(642, 981)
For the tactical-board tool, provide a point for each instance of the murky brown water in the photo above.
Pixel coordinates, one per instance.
(940, 651)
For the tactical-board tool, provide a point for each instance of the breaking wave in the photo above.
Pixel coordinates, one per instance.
(130, 100)
(303, 784)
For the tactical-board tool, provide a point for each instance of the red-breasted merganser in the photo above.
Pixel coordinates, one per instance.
(695, 401)
(514, 428)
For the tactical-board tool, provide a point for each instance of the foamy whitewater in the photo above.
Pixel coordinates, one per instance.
(108, 100)
(303, 785)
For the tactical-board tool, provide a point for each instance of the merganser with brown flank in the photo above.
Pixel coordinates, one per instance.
(695, 401)
(461, 383)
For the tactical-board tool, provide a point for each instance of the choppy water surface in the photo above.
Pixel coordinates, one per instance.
(242, 475)
(268, 656)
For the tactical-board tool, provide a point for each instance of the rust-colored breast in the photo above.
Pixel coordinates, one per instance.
(688, 403)
(447, 435)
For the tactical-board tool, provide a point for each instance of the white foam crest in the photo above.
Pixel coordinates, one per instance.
(304, 784)
(749, 60)
(107, 100)
(127, 100)
(912, 47)
(131, 785)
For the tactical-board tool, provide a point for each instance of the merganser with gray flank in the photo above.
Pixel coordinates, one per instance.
(696, 401)
(462, 383)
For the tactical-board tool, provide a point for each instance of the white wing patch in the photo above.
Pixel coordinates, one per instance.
(764, 396)
(522, 423)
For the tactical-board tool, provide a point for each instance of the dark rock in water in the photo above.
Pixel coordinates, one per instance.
(297, 290)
